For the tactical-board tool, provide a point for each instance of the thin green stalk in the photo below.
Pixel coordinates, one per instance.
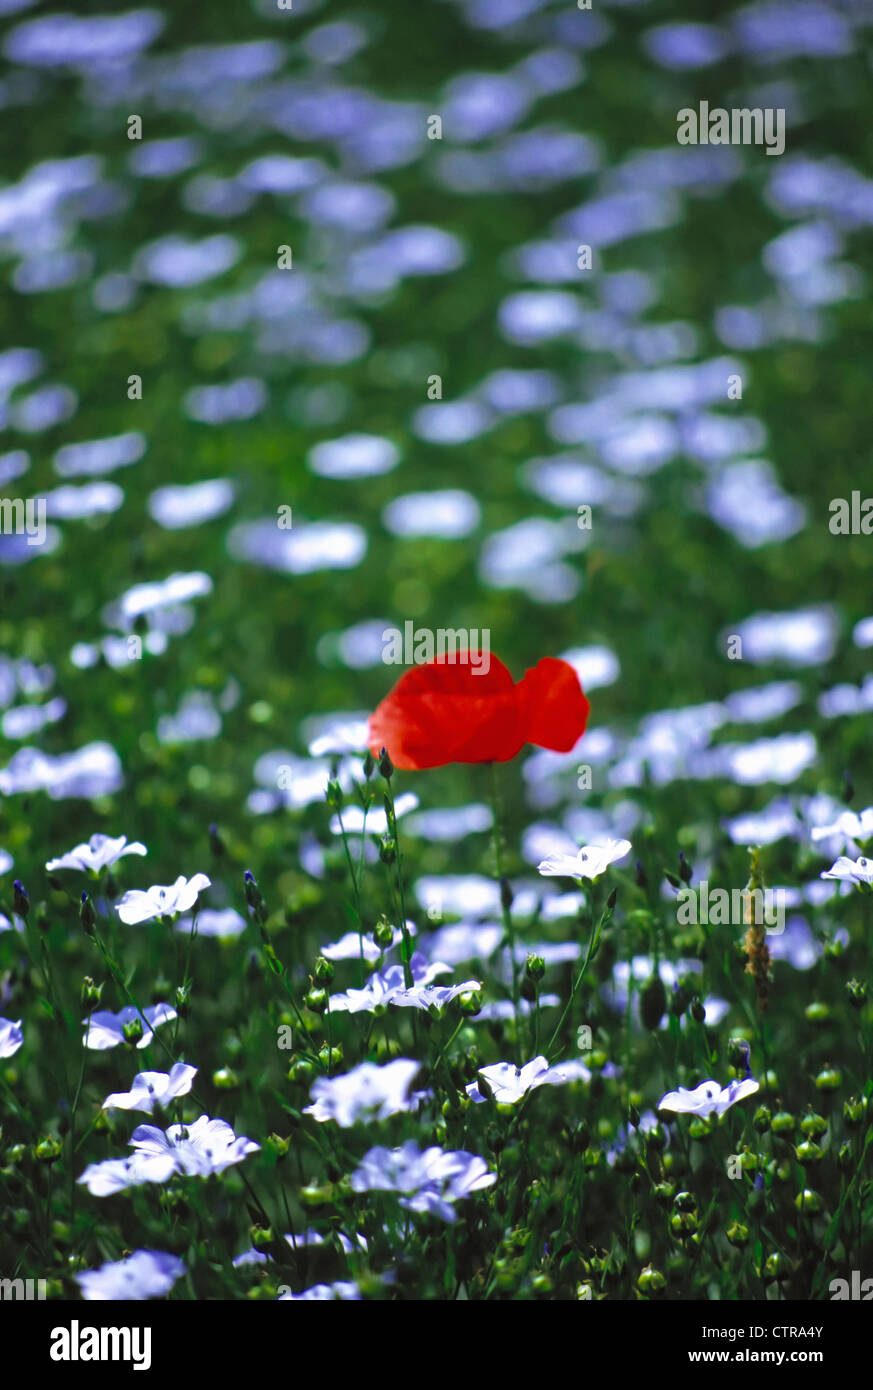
(592, 947)
(406, 952)
(506, 909)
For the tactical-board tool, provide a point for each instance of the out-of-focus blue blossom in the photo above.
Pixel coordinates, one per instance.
(850, 826)
(746, 499)
(452, 422)
(503, 1009)
(309, 547)
(178, 263)
(690, 46)
(335, 43)
(467, 895)
(197, 718)
(761, 702)
(463, 941)
(217, 405)
(344, 1291)
(148, 600)
(43, 409)
(225, 923)
(448, 515)
(802, 637)
(94, 770)
(430, 1181)
(862, 633)
(26, 720)
(353, 456)
(164, 159)
(177, 506)
(368, 1092)
(796, 944)
(353, 947)
(451, 824)
(100, 455)
(82, 41)
(528, 556)
(13, 465)
(771, 32)
(144, 1274)
(75, 503)
(358, 208)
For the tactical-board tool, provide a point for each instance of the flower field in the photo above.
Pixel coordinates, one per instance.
(436, 801)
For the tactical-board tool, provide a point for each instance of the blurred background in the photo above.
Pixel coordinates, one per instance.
(434, 387)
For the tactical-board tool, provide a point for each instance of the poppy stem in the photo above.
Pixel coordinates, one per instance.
(505, 893)
(406, 951)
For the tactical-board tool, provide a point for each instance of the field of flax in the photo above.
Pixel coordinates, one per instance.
(435, 614)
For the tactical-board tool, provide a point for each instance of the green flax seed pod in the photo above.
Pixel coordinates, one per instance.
(651, 1282)
(813, 1126)
(737, 1234)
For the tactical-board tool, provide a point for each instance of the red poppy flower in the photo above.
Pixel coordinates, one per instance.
(449, 712)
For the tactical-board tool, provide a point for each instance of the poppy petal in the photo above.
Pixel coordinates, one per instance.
(553, 707)
(449, 711)
(455, 710)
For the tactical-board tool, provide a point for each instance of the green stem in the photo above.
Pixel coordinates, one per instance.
(446, 1045)
(508, 928)
(406, 952)
(355, 884)
(592, 946)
